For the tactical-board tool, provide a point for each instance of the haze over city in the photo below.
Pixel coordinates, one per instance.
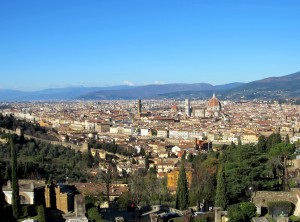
(48, 44)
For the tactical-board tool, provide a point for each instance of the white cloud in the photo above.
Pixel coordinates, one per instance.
(128, 83)
(158, 83)
(153, 83)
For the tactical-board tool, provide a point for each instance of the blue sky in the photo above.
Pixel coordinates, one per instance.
(62, 43)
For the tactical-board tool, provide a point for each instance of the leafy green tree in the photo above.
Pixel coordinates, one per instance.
(245, 166)
(88, 158)
(243, 211)
(182, 193)
(283, 151)
(125, 199)
(262, 143)
(46, 160)
(249, 210)
(273, 139)
(15, 184)
(235, 214)
(221, 195)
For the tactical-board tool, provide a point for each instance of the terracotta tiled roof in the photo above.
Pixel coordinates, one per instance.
(213, 102)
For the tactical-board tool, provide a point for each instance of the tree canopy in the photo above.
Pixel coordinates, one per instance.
(182, 193)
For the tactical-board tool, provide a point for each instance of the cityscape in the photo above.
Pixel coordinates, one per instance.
(150, 139)
(149, 111)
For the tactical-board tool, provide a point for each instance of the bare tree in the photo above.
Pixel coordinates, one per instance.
(137, 187)
(107, 178)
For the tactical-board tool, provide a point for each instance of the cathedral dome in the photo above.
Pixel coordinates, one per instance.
(214, 103)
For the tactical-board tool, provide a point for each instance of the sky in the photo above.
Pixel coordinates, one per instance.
(61, 43)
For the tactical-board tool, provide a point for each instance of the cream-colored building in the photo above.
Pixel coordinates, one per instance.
(249, 138)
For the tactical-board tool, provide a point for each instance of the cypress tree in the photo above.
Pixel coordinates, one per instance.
(221, 198)
(7, 175)
(239, 142)
(182, 193)
(183, 156)
(142, 152)
(287, 139)
(232, 145)
(15, 184)
(1, 194)
(147, 162)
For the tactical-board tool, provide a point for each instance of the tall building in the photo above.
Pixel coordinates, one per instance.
(187, 107)
(139, 107)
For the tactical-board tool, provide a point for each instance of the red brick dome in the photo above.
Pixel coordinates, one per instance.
(214, 102)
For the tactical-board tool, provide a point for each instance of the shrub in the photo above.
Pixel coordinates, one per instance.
(241, 212)
(249, 209)
(235, 214)
(294, 218)
(25, 211)
(276, 208)
(94, 215)
(41, 213)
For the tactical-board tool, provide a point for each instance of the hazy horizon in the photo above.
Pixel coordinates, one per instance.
(107, 86)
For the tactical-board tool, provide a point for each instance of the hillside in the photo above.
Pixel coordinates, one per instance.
(269, 88)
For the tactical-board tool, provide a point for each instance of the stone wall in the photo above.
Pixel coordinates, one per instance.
(262, 198)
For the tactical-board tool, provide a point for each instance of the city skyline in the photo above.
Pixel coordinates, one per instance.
(104, 43)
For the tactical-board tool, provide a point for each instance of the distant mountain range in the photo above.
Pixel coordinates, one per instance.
(68, 93)
(156, 91)
(269, 88)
